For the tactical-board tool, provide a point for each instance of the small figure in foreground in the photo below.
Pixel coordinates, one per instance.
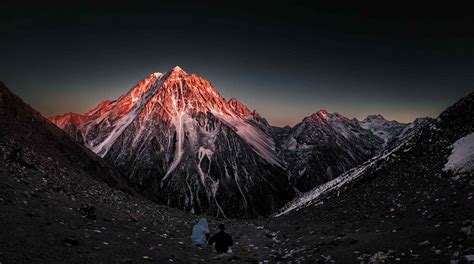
(200, 233)
(222, 240)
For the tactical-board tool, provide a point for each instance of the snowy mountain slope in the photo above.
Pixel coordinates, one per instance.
(323, 146)
(253, 117)
(315, 195)
(461, 159)
(99, 128)
(184, 145)
(384, 129)
(426, 140)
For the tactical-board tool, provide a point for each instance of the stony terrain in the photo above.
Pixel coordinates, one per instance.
(52, 215)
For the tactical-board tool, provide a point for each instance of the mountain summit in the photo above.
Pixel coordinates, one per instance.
(383, 128)
(184, 145)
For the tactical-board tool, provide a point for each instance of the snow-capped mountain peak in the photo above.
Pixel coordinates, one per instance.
(375, 117)
(320, 115)
(176, 129)
(178, 69)
(326, 117)
(382, 128)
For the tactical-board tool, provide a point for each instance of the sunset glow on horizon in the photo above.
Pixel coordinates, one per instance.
(286, 66)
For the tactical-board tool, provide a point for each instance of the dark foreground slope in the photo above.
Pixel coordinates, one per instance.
(56, 208)
(403, 209)
(66, 217)
(28, 134)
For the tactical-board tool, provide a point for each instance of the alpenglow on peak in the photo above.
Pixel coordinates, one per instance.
(178, 69)
(185, 145)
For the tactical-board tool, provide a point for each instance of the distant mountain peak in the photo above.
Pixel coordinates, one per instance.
(381, 127)
(374, 117)
(323, 115)
(319, 115)
(322, 112)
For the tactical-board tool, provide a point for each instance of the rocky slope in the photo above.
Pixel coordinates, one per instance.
(184, 145)
(406, 205)
(323, 146)
(27, 131)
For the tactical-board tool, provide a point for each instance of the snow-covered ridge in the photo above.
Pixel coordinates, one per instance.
(314, 196)
(138, 99)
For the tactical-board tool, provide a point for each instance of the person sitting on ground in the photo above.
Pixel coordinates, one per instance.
(200, 233)
(222, 240)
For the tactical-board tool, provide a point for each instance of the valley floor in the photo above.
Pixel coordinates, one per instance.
(46, 217)
(52, 214)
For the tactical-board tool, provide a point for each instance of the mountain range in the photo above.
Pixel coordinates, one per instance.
(182, 144)
(409, 201)
(410, 204)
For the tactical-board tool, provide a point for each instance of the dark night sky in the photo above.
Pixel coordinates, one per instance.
(285, 59)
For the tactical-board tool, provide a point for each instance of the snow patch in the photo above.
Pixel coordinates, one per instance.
(178, 122)
(462, 155)
(261, 144)
(291, 144)
(203, 152)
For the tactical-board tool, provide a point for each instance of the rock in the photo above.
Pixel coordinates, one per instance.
(133, 217)
(270, 235)
(89, 211)
(467, 259)
(69, 241)
(233, 258)
(147, 258)
(378, 257)
(424, 243)
(352, 241)
(466, 227)
(326, 258)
